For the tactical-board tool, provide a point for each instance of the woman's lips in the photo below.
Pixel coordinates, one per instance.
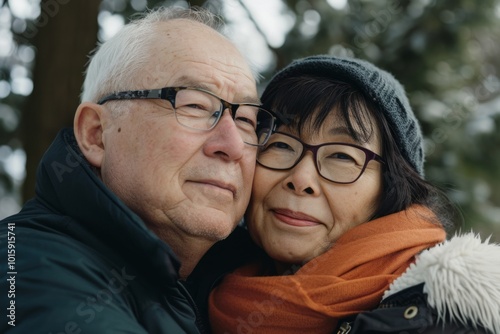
(294, 218)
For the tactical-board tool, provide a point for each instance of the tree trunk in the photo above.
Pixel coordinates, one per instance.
(64, 34)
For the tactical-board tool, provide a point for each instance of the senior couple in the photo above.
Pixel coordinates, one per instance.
(173, 146)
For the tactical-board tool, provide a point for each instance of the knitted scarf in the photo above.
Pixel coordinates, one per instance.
(349, 278)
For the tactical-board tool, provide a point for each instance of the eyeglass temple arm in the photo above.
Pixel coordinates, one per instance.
(281, 119)
(135, 94)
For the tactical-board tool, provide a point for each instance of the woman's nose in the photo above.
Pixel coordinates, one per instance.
(304, 178)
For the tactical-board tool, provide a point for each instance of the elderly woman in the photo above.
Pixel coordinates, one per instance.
(341, 207)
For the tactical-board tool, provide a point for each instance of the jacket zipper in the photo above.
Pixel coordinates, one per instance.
(201, 326)
(345, 328)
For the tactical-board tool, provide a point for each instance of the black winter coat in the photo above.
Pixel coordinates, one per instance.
(82, 262)
(405, 312)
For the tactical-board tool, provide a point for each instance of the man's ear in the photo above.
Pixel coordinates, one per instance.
(89, 130)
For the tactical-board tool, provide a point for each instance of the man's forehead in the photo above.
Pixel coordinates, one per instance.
(189, 53)
(180, 37)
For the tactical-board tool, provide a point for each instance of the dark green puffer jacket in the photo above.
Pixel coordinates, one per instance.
(84, 262)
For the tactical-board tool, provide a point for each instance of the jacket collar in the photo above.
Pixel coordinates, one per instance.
(67, 184)
(461, 279)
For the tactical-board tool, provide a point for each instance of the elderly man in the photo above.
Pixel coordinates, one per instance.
(157, 169)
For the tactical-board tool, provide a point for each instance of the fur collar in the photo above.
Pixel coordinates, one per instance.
(462, 280)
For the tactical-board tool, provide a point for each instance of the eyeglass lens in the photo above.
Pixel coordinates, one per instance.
(197, 109)
(335, 162)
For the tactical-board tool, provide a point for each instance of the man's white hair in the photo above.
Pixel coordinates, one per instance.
(116, 63)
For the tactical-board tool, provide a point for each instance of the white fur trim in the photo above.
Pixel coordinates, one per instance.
(462, 280)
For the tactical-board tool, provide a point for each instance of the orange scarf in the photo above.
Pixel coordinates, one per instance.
(347, 279)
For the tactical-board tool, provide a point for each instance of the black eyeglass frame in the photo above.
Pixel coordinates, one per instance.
(370, 155)
(169, 94)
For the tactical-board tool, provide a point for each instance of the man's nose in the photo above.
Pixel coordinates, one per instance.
(225, 139)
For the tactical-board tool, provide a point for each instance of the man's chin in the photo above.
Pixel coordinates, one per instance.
(214, 227)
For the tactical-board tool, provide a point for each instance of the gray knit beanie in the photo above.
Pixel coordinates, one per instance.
(377, 85)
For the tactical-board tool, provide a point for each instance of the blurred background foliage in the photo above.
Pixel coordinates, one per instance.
(445, 52)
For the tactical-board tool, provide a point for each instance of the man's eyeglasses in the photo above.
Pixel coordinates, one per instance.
(199, 109)
(336, 162)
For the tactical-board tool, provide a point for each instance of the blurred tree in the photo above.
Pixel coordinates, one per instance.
(63, 35)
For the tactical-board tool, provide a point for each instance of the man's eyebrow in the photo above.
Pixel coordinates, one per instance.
(187, 81)
(250, 99)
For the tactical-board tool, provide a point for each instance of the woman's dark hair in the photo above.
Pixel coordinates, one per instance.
(308, 100)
